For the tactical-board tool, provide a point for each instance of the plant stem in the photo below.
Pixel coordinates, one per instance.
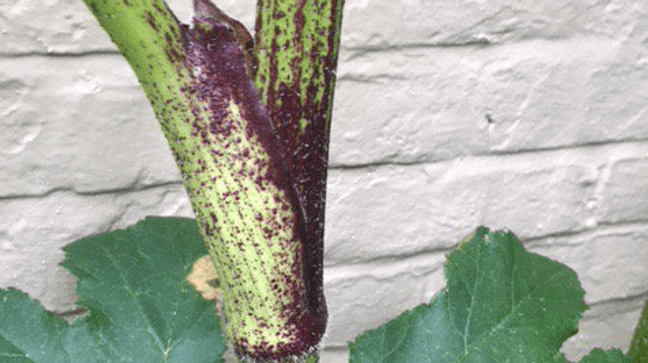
(296, 50)
(249, 129)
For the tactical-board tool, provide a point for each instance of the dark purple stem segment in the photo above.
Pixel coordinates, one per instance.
(296, 53)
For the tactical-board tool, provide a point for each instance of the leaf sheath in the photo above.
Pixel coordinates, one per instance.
(252, 153)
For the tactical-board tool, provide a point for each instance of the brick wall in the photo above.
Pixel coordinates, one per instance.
(530, 115)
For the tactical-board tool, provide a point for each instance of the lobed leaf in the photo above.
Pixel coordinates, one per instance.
(140, 306)
(501, 304)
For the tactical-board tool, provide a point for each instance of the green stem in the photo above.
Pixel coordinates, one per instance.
(254, 168)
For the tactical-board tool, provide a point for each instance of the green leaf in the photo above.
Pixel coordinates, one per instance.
(140, 306)
(500, 304)
(639, 345)
(609, 356)
(27, 332)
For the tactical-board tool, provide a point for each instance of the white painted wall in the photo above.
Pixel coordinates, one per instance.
(531, 115)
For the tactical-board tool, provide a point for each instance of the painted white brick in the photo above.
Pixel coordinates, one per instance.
(401, 210)
(43, 26)
(422, 104)
(378, 23)
(77, 123)
(339, 355)
(626, 190)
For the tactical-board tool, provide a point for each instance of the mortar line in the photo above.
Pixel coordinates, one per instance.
(90, 193)
(81, 54)
(488, 154)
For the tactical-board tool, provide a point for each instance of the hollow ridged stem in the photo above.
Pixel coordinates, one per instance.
(253, 154)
